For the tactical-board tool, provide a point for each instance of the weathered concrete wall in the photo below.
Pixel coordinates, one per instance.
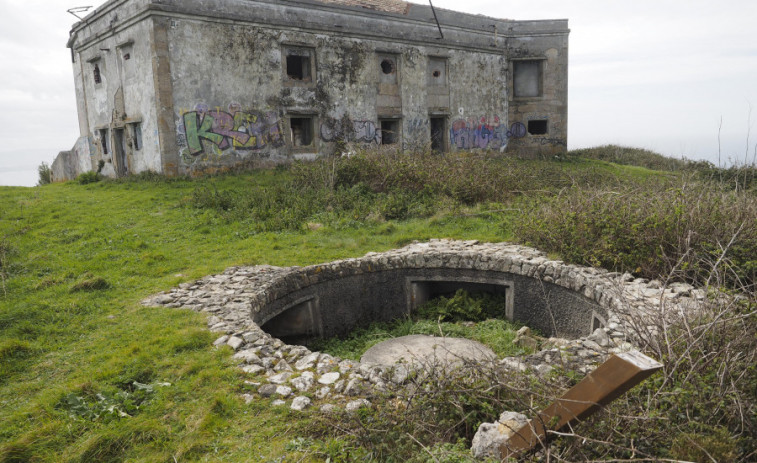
(114, 87)
(362, 296)
(69, 164)
(233, 99)
(211, 86)
(551, 104)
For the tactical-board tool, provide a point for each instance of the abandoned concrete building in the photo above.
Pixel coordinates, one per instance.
(184, 86)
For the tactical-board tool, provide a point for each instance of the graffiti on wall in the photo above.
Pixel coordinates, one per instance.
(479, 133)
(205, 128)
(351, 131)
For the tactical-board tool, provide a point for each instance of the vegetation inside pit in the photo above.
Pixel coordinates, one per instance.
(458, 315)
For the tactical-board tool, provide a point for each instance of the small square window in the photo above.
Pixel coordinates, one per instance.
(301, 131)
(527, 78)
(537, 127)
(437, 71)
(299, 64)
(390, 131)
(388, 68)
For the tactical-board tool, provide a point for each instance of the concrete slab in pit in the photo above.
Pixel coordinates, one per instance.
(427, 350)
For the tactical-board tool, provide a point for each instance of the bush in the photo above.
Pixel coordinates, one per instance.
(701, 407)
(651, 232)
(438, 413)
(463, 306)
(45, 174)
(88, 177)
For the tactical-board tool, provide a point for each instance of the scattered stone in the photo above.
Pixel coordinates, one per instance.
(301, 403)
(221, 341)
(280, 378)
(307, 362)
(284, 391)
(267, 390)
(600, 337)
(282, 365)
(490, 436)
(253, 369)
(323, 392)
(251, 336)
(278, 403)
(303, 383)
(512, 363)
(526, 342)
(329, 409)
(235, 342)
(345, 366)
(329, 378)
(356, 405)
(247, 356)
(400, 373)
(355, 387)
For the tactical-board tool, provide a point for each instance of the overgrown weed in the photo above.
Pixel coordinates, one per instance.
(651, 231)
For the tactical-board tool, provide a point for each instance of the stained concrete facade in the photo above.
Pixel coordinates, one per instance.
(185, 86)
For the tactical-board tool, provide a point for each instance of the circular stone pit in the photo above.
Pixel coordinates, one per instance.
(584, 310)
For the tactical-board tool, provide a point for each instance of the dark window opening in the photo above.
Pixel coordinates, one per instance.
(119, 149)
(387, 66)
(436, 73)
(527, 78)
(538, 127)
(96, 72)
(438, 129)
(137, 135)
(302, 131)
(298, 67)
(390, 130)
(104, 140)
(127, 56)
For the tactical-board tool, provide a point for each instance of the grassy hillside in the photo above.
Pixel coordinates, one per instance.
(88, 374)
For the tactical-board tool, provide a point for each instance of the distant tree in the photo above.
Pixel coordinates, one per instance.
(45, 174)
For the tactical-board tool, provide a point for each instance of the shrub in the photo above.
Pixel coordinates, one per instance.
(463, 306)
(88, 177)
(701, 407)
(45, 174)
(650, 232)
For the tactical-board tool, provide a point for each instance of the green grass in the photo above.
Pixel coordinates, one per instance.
(76, 259)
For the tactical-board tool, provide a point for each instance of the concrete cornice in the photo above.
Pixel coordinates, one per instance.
(462, 31)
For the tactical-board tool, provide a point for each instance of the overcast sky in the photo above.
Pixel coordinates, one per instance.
(656, 74)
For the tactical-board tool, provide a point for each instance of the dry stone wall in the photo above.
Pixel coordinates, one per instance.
(243, 299)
